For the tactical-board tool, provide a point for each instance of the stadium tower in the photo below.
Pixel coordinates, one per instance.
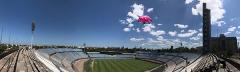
(206, 28)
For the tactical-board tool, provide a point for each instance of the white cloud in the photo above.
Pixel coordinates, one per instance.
(237, 32)
(220, 23)
(123, 21)
(129, 20)
(194, 38)
(188, 1)
(160, 42)
(235, 19)
(138, 10)
(194, 44)
(165, 43)
(180, 26)
(200, 30)
(231, 29)
(148, 27)
(172, 33)
(194, 11)
(177, 41)
(216, 7)
(187, 34)
(160, 38)
(149, 9)
(126, 29)
(130, 25)
(159, 24)
(157, 33)
(138, 30)
(238, 39)
(198, 37)
(238, 26)
(182, 31)
(200, 34)
(136, 39)
(226, 33)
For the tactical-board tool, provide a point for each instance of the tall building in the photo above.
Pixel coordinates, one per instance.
(223, 46)
(206, 28)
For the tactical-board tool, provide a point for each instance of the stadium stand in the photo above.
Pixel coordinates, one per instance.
(63, 57)
(97, 55)
(180, 60)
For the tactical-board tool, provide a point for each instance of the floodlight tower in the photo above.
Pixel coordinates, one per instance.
(1, 35)
(33, 29)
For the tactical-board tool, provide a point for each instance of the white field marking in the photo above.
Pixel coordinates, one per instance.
(92, 64)
(153, 68)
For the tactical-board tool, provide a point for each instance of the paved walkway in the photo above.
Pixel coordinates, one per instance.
(206, 61)
(79, 65)
(191, 66)
(232, 68)
(170, 66)
(23, 60)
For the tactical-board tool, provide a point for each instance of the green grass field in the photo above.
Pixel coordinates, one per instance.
(123, 65)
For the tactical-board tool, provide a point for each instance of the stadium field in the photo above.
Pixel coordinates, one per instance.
(122, 65)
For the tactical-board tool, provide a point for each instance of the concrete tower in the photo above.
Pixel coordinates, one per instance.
(206, 28)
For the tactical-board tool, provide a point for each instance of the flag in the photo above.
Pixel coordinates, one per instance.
(33, 26)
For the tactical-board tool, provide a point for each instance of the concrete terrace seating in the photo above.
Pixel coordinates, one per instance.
(237, 60)
(53, 50)
(62, 57)
(67, 62)
(97, 55)
(190, 56)
(164, 58)
(65, 59)
(208, 60)
(181, 63)
(125, 56)
(174, 54)
(177, 58)
(143, 56)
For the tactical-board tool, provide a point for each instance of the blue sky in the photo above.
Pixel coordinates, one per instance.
(104, 22)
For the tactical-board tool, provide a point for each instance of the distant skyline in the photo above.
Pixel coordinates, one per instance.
(112, 22)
